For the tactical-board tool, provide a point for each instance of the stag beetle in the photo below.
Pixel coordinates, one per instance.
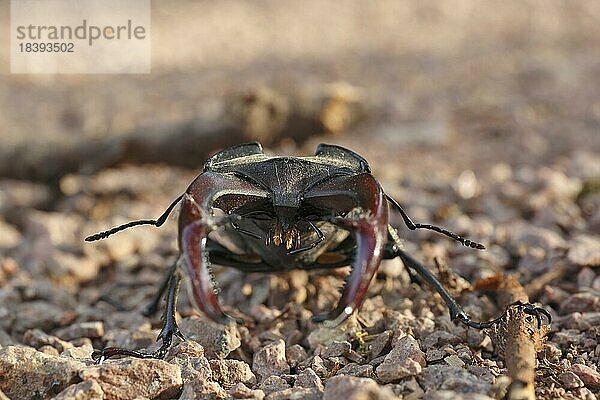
(261, 213)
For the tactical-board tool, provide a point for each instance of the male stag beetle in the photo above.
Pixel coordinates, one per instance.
(283, 213)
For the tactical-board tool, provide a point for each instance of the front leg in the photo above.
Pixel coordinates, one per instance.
(166, 334)
(152, 307)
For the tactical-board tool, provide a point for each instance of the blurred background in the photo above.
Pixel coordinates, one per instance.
(516, 77)
(482, 116)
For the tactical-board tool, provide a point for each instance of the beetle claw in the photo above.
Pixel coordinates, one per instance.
(527, 308)
(533, 310)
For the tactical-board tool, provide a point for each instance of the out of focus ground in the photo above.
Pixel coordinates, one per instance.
(480, 117)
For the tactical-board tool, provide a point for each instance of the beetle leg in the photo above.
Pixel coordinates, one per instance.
(320, 238)
(457, 313)
(170, 327)
(166, 334)
(370, 232)
(235, 226)
(153, 305)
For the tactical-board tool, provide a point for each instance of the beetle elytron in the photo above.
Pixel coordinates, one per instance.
(282, 213)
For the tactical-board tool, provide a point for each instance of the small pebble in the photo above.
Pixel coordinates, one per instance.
(589, 375)
(405, 359)
(309, 379)
(570, 380)
(273, 384)
(270, 360)
(350, 387)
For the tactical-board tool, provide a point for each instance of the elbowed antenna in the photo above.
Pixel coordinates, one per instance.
(156, 222)
(413, 226)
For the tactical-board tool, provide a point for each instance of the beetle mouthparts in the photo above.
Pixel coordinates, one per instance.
(285, 236)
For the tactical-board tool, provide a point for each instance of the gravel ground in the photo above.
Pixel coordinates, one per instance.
(495, 138)
(61, 298)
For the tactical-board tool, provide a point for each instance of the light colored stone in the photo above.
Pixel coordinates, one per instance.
(454, 361)
(359, 370)
(273, 384)
(405, 359)
(38, 338)
(46, 375)
(201, 390)
(82, 353)
(445, 377)
(130, 378)
(189, 355)
(241, 391)
(86, 390)
(589, 376)
(230, 372)
(296, 393)
(451, 395)
(10, 236)
(93, 329)
(308, 379)
(326, 334)
(217, 340)
(585, 250)
(353, 388)
(270, 360)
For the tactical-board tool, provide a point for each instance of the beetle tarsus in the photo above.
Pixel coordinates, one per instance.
(527, 308)
(464, 319)
(533, 310)
(99, 356)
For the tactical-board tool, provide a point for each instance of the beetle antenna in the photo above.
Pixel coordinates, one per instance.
(156, 222)
(413, 226)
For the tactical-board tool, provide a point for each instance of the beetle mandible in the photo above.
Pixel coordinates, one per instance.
(281, 213)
